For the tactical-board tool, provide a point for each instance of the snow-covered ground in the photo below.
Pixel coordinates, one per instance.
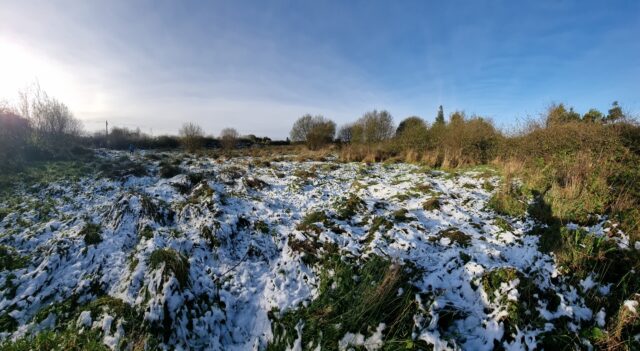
(234, 222)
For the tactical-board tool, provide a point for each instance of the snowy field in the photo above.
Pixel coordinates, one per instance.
(213, 257)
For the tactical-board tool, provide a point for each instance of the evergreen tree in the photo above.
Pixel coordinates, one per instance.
(440, 117)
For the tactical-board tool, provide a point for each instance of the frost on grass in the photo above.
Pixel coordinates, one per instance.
(170, 251)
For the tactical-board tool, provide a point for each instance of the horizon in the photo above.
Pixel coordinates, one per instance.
(257, 67)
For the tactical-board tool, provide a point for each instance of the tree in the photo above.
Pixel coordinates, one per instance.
(558, 114)
(50, 119)
(229, 137)
(192, 136)
(440, 116)
(412, 133)
(14, 136)
(345, 134)
(615, 113)
(593, 116)
(315, 131)
(373, 127)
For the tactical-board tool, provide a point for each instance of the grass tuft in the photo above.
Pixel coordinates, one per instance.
(171, 262)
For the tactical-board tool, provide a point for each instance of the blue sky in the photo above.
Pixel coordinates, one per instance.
(258, 65)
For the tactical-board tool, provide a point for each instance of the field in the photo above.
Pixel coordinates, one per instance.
(168, 250)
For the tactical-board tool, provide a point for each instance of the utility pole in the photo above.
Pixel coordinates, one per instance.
(106, 128)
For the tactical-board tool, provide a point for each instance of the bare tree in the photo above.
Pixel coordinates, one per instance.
(345, 133)
(373, 127)
(229, 138)
(192, 136)
(50, 118)
(315, 131)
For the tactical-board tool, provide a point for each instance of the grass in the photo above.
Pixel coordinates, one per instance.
(456, 236)
(347, 207)
(522, 312)
(377, 223)
(401, 215)
(48, 340)
(10, 259)
(211, 239)
(382, 294)
(254, 183)
(168, 170)
(432, 204)
(171, 263)
(261, 226)
(43, 173)
(65, 334)
(91, 234)
(146, 232)
(509, 200)
(503, 224)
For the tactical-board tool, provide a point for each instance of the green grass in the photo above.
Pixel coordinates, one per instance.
(91, 234)
(172, 263)
(503, 224)
(401, 215)
(510, 201)
(10, 259)
(48, 340)
(347, 305)
(310, 221)
(349, 206)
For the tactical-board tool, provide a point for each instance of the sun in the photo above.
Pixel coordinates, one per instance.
(21, 66)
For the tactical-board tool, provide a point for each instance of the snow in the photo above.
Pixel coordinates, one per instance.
(631, 305)
(237, 283)
(84, 320)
